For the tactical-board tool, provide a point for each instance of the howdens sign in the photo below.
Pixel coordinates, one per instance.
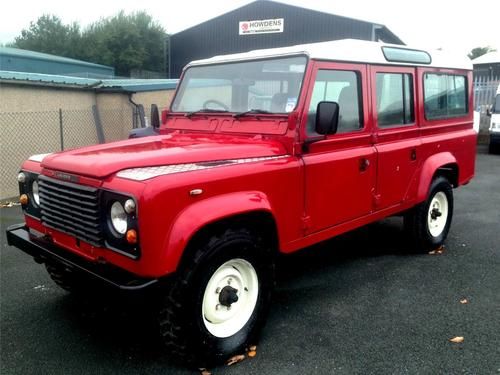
(262, 26)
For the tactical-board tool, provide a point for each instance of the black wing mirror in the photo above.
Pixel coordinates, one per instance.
(155, 116)
(327, 118)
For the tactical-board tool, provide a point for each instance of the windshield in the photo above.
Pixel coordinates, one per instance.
(271, 85)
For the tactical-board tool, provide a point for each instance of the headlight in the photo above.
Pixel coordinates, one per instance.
(21, 178)
(118, 218)
(29, 193)
(34, 190)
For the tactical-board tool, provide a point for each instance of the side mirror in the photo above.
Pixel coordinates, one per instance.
(155, 116)
(488, 112)
(327, 118)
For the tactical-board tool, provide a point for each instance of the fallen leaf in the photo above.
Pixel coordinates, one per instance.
(464, 301)
(252, 353)
(457, 339)
(235, 359)
(252, 348)
(204, 371)
(439, 250)
(9, 204)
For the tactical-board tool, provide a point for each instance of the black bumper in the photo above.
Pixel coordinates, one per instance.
(44, 251)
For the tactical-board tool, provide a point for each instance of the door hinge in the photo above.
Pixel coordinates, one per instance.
(376, 200)
(306, 223)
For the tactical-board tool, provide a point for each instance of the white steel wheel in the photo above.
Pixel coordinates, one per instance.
(437, 215)
(230, 298)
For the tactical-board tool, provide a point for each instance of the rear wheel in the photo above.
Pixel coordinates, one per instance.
(219, 301)
(428, 223)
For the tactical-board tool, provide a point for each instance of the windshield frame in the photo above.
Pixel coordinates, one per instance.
(235, 61)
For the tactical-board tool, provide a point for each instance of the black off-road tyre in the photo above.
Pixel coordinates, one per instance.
(181, 319)
(65, 278)
(416, 221)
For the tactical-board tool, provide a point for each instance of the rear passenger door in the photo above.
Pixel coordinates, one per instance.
(397, 138)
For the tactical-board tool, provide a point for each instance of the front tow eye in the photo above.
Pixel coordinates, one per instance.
(228, 296)
(435, 213)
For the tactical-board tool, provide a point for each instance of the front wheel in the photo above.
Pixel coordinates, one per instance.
(219, 301)
(429, 222)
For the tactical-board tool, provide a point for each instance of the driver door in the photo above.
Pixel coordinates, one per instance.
(340, 172)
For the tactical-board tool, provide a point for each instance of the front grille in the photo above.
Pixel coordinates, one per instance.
(71, 208)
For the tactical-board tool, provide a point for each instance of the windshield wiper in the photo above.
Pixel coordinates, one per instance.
(204, 110)
(252, 111)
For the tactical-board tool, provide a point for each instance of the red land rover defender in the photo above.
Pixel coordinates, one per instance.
(261, 153)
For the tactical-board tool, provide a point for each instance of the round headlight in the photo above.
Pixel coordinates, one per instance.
(34, 190)
(118, 218)
(21, 177)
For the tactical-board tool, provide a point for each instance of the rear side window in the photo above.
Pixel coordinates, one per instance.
(394, 99)
(445, 96)
(343, 87)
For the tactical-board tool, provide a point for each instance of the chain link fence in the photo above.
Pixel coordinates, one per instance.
(23, 134)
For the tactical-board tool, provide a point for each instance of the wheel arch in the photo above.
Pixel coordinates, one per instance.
(442, 164)
(195, 223)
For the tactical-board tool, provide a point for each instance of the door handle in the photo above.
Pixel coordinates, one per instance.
(413, 154)
(364, 163)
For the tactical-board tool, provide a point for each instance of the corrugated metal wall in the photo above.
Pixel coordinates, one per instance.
(221, 35)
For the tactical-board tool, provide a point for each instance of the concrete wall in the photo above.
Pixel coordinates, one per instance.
(30, 122)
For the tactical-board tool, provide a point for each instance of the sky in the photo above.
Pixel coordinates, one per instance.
(447, 24)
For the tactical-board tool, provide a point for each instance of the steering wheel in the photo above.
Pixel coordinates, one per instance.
(216, 102)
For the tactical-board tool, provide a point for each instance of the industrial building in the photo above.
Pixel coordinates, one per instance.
(487, 66)
(19, 60)
(265, 24)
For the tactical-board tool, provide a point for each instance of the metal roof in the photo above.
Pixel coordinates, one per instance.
(347, 50)
(488, 58)
(123, 85)
(17, 52)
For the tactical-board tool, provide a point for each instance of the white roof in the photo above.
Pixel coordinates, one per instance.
(348, 50)
(487, 58)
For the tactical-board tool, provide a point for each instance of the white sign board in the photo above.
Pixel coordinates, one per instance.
(262, 26)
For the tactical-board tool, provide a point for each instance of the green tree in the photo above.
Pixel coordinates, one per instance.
(48, 34)
(126, 42)
(479, 51)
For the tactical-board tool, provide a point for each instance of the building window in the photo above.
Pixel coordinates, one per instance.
(342, 87)
(445, 96)
(394, 99)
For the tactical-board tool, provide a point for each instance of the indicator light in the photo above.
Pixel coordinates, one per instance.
(23, 199)
(131, 236)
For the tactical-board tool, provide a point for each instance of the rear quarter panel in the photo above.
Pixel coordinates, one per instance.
(441, 137)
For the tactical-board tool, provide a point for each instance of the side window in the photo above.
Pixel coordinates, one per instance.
(394, 99)
(339, 86)
(445, 96)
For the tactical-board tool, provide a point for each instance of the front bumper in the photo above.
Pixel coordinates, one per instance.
(44, 251)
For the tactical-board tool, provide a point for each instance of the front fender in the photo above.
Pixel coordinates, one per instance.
(429, 168)
(199, 214)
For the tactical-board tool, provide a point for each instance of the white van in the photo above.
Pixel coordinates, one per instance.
(495, 124)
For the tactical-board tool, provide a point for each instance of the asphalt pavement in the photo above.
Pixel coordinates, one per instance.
(357, 304)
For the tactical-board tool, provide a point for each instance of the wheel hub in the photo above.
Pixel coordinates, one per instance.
(228, 295)
(435, 213)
